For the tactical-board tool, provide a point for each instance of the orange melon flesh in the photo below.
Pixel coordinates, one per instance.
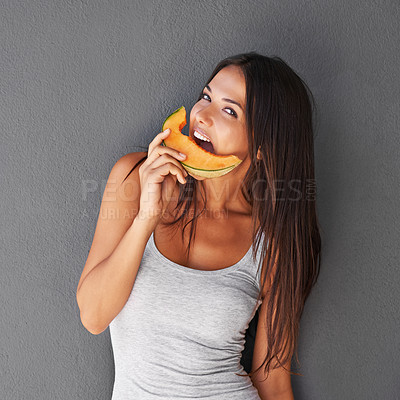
(198, 161)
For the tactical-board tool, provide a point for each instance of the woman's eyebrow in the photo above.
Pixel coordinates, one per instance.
(228, 100)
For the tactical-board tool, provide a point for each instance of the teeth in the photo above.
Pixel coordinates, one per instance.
(200, 136)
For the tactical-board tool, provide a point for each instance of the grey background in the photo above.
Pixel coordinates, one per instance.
(85, 82)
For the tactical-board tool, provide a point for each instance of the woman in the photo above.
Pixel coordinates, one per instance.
(178, 322)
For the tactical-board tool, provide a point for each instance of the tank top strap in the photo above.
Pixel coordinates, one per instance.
(250, 268)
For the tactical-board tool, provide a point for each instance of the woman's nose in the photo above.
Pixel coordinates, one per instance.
(204, 116)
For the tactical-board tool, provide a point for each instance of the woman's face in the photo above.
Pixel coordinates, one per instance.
(217, 116)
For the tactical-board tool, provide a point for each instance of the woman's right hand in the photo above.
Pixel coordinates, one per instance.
(158, 175)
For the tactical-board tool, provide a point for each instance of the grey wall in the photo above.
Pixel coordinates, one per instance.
(85, 82)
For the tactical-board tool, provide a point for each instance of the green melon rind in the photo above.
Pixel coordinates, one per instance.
(208, 173)
(180, 108)
(205, 170)
(209, 170)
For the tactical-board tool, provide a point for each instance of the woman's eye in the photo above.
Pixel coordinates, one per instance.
(233, 113)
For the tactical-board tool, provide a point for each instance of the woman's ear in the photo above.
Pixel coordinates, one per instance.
(259, 156)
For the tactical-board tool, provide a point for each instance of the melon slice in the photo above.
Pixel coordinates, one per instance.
(198, 161)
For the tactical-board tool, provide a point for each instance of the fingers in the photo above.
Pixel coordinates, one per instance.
(159, 150)
(158, 140)
(173, 166)
(158, 155)
(157, 174)
(169, 168)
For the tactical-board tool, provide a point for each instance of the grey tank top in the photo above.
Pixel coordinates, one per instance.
(181, 333)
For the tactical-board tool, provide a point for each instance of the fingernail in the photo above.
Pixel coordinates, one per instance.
(167, 130)
(181, 155)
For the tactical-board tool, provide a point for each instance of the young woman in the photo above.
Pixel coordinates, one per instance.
(179, 264)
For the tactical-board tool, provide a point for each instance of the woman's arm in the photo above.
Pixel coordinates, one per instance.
(278, 384)
(117, 249)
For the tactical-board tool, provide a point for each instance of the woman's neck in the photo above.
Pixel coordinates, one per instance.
(225, 192)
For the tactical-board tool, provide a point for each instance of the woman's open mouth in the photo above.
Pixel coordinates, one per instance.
(204, 144)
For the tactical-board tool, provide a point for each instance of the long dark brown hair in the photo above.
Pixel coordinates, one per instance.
(281, 189)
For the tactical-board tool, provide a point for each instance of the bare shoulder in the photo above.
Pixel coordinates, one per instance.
(123, 180)
(128, 164)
